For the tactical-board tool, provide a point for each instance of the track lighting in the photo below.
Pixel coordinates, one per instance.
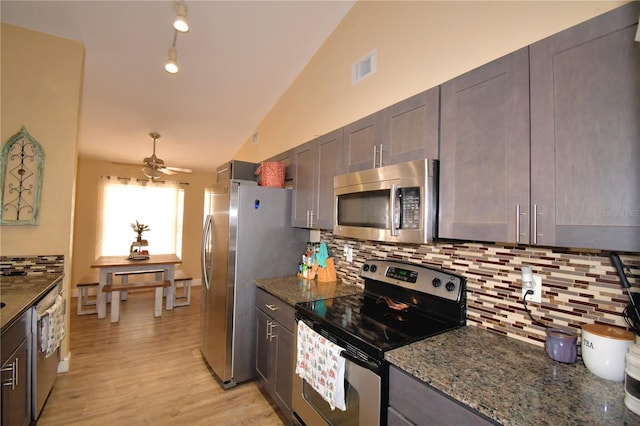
(180, 23)
(171, 66)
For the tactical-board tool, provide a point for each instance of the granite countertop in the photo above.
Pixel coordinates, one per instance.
(513, 382)
(292, 289)
(19, 293)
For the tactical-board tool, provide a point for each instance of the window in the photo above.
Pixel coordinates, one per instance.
(124, 201)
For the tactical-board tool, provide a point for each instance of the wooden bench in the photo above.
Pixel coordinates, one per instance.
(87, 282)
(115, 289)
(182, 278)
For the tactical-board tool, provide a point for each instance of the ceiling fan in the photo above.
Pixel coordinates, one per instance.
(154, 167)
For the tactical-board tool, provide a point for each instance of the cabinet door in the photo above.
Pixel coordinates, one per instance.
(410, 128)
(360, 140)
(484, 153)
(16, 408)
(585, 110)
(283, 375)
(286, 158)
(329, 158)
(263, 349)
(303, 185)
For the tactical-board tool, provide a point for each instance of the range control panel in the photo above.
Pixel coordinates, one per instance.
(415, 277)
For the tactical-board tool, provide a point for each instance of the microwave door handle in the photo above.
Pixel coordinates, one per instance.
(394, 199)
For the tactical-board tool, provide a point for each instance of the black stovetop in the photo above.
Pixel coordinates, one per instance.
(366, 322)
(369, 323)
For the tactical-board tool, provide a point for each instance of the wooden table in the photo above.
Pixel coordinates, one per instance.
(110, 265)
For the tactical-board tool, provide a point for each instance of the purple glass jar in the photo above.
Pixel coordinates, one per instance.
(561, 345)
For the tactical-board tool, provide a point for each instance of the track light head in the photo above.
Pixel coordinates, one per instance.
(171, 66)
(180, 23)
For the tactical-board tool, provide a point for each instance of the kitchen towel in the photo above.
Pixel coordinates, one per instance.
(52, 327)
(319, 363)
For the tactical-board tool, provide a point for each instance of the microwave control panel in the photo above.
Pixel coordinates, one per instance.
(409, 200)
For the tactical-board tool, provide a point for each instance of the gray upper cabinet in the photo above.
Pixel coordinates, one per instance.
(402, 132)
(362, 140)
(317, 162)
(484, 152)
(410, 129)
(286, 158)
(585, 134)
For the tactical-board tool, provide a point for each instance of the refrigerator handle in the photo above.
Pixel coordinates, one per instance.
(205, 234)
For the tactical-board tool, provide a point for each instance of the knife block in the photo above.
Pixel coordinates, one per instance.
(327, 274)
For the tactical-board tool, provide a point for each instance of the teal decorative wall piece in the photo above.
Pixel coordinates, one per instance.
(21, 170)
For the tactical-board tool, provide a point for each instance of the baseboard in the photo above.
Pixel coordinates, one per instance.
(64, 364)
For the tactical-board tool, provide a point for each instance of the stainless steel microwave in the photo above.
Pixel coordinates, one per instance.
(396, 203)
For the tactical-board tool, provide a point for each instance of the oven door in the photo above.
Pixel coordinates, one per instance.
(363, 398)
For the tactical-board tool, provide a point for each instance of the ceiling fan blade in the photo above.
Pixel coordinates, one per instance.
(178, 169)
(166, 171)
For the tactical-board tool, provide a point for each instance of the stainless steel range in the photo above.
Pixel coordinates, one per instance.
(401, 304)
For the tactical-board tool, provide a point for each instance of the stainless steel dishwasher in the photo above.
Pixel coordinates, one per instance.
(44, 368)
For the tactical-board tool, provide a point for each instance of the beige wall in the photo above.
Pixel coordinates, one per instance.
(84, 243)
(419, 45)
(41, 90)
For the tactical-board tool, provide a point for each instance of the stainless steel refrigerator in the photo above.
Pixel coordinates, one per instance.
(247, 235)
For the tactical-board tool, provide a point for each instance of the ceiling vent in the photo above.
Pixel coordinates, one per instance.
(363, 68)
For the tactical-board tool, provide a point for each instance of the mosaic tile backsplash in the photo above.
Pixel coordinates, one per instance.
(577, 287)
(32, 265)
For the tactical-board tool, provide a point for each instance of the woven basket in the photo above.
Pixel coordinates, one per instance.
(271, 174)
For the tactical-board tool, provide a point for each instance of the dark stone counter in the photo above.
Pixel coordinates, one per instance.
(513, 382)
(292, 289)
(21, 292)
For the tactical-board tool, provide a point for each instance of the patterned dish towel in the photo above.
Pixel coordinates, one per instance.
(319, 363)
(52, 327)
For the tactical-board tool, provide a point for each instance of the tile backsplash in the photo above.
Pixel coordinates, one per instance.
(578, 287)
(32, 265)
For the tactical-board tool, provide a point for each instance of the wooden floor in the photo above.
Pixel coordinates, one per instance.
(147, 371)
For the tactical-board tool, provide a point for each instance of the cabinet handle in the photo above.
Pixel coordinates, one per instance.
(310, 218)
(380, 161)
(268, 330)
(535, 224)
(272, 307)
(375, 151)
(518, 223)
(271, 334)
(13, 382)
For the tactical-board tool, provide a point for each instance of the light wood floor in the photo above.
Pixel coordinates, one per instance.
(147, 371)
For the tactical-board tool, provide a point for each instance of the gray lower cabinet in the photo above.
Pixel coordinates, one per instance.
(484, 152)
(405, 131)
(316, 163)
(412, 402)
(16, 398)
(585, 134)
(274, 348)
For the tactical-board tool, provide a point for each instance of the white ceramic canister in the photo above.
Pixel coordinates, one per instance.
(632, 379)
(604, 348)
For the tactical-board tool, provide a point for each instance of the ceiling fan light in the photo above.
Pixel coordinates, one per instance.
(151, 173)
(180, 23)
(171, 66)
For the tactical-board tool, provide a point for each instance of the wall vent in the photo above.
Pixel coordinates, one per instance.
(364, 67)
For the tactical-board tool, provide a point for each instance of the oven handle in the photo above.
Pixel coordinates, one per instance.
(372, 364)
(369, 365)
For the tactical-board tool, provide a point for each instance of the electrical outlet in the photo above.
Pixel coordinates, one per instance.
(536, 286)
(350, 255)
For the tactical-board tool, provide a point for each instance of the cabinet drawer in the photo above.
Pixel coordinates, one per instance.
(14, 335)
(276, 308)
(423, 405)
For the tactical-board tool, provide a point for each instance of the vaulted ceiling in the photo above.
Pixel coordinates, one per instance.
(235, 62)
